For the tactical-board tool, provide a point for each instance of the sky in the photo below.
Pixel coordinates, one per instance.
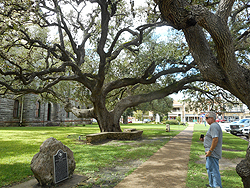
(177, 96)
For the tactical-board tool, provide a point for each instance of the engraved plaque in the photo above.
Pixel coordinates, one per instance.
(60, 166)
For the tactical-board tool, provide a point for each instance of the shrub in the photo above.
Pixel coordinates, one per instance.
(165, 118)
(172, 122)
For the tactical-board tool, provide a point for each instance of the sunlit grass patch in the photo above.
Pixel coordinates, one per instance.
(233, 147)
(18, 145)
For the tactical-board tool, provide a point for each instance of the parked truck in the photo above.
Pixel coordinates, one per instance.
(240, 126)
(245, 132)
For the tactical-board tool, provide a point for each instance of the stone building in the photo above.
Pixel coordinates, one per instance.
(30, 110)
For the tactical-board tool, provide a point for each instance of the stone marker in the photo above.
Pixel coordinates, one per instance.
(47, 170)
(167, 128)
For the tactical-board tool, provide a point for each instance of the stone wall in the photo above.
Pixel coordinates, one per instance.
(6, 112)
(27, 113)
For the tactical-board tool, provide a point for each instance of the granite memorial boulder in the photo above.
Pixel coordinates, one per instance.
(53, 163)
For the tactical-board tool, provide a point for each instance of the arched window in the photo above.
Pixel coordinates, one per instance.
(67, 114)
(49, 112)
(16, 109)
(38, 109)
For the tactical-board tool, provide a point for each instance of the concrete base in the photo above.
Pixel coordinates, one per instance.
(76, 179)
(130, 134)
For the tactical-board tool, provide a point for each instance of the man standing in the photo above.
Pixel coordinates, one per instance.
(213, 150)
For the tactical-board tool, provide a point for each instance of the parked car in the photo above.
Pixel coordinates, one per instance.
(220, 120)
(245, 132)
(239, 126)
(227, 128)
(93, 120)
(146, 120)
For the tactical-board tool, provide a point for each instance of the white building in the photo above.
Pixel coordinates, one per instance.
(232, 113)
(186, 116)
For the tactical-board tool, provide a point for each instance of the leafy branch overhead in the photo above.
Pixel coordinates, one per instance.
(105, 54)
(218, 39)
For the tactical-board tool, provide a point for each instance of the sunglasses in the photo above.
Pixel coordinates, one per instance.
(207, 117)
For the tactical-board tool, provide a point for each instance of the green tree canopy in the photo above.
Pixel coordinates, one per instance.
(217, 35)
(100, 51)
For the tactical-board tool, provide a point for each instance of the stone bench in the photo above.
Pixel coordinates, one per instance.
(97, 137)
(129, 130)
(132, 135)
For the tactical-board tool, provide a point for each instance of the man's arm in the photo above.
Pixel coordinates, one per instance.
(214, 144)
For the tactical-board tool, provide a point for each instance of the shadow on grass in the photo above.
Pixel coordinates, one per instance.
(17, 170)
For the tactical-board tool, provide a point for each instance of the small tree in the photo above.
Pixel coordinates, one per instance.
(138, 115)
(178, 119)
(159, 106)
(126, 113)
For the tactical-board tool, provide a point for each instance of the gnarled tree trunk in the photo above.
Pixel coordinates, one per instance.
(243, 169)
(108, 122)
(221, 69)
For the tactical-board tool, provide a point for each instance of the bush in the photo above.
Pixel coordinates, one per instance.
(178, 118)
(165, 118)
(172, 122)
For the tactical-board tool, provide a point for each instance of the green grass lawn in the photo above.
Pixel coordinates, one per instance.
(233, 147)
(18, 145)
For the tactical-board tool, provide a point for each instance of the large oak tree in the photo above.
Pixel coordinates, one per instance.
(223, 61)
(71, 48)
(91, 52)
(223, 57)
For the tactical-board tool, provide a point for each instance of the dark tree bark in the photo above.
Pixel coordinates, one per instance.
(243, 169)
(125, 120)
(221, 69)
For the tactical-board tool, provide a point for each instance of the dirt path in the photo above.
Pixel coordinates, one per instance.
(166, 168)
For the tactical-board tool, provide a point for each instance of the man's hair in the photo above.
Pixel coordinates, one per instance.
(211, 114)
